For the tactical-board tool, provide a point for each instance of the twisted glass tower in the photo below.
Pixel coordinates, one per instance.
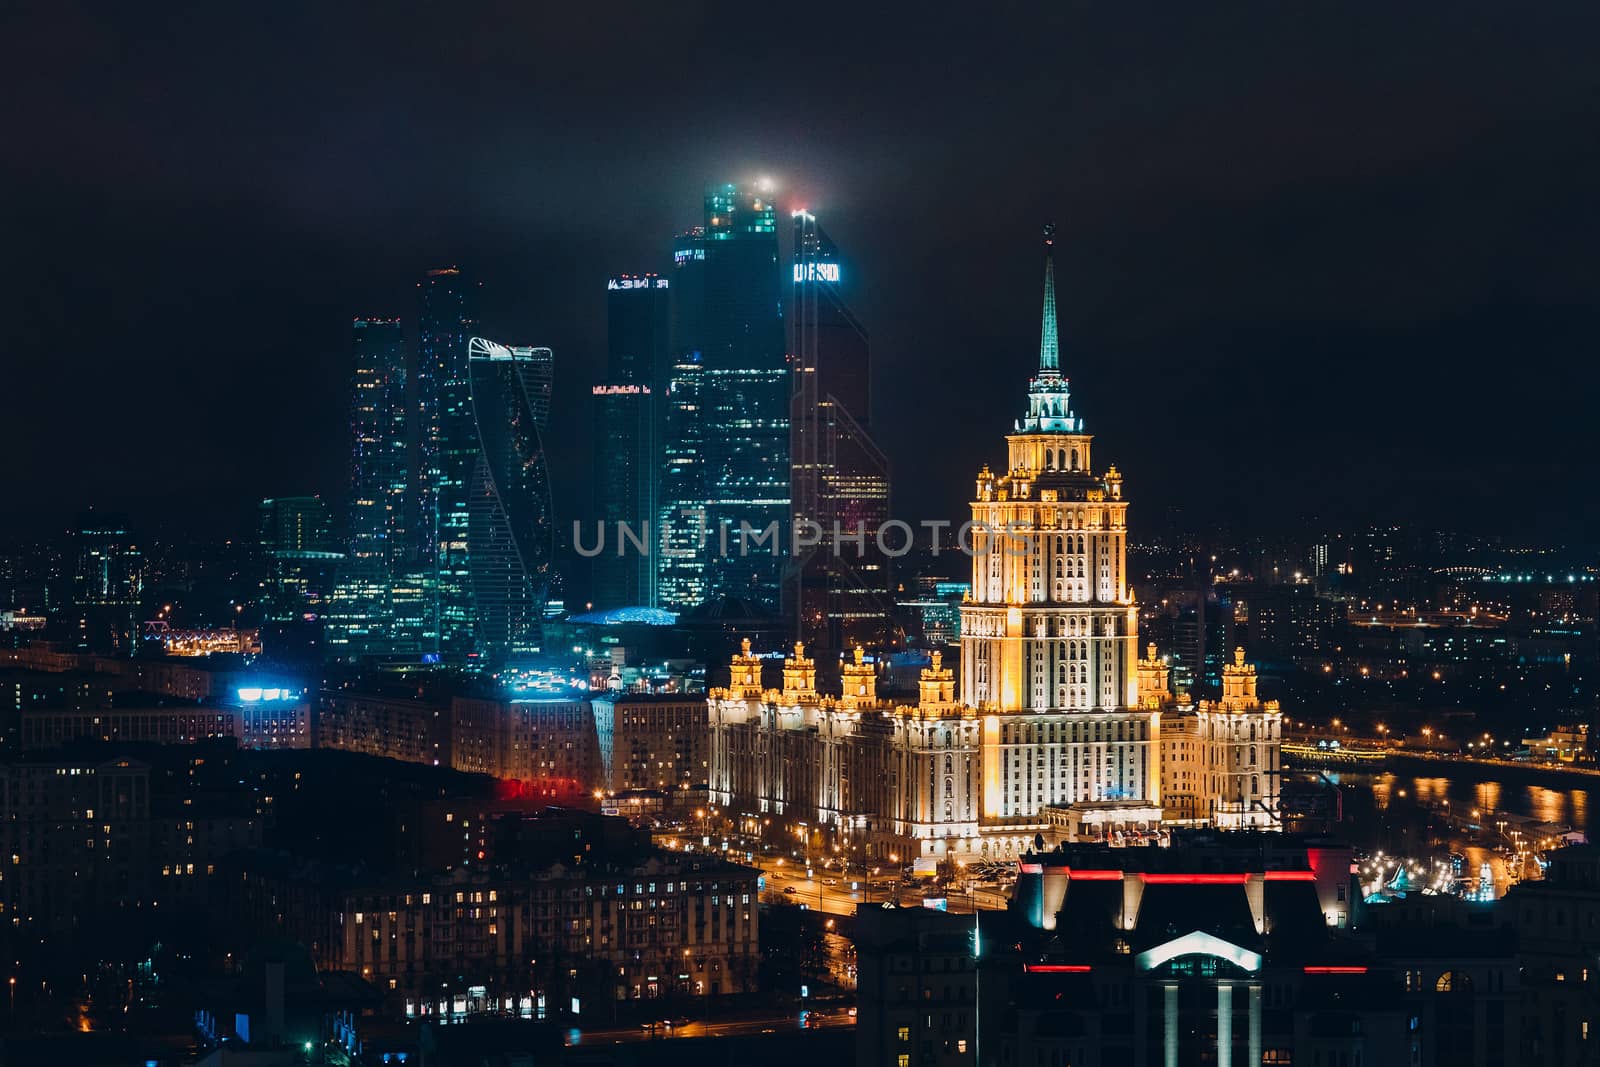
(510, 524)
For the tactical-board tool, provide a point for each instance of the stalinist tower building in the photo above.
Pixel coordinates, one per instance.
(1049, 636)
(1054, 730)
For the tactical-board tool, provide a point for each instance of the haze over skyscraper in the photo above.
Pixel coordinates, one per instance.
(728, 310)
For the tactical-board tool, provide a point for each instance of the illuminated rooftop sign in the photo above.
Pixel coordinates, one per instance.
(816, 272)
(638, 283)
(255, 694)
(1198, 943)
(621, 390)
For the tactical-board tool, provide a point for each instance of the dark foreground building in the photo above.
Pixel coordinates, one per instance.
(1214, 952)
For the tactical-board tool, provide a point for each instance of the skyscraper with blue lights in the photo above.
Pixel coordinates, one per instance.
(379, 472)
(374, 609)
(446, 452)
(728, 320)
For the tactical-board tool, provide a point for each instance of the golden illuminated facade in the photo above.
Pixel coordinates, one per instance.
(893, 778)
(1049, 633)
(1058, 727)
(1219, 759)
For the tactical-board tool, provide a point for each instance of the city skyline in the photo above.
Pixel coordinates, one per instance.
(1355, 291)
(1045, 537)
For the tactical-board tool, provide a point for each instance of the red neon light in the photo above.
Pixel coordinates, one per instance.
(1291, 876)
(1095, 876)
(1336, 970)
(1056, 968)
(1195, 879)
(1031, 868)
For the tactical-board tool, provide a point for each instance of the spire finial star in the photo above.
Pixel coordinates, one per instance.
(1049, 351)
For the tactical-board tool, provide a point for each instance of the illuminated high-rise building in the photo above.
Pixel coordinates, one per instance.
(629, 424)
(107, 583)
(446, 452)
(380, 485)
(301, 558)
(376, 608)
(511, 525)
(378, 467)
(728, 318)
(839, 477)
(1055, 729)
(1049, 635)
(680, 564)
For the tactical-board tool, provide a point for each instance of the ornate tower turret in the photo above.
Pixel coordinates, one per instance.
(799, 676)
(1239, 683)
(1154, 690)
(860, 682)
(936, 689)
(1049, 399)
(744, 682)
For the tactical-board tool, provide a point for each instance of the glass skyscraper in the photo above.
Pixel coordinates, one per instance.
(375, 609)
(728, 319)
(680, 510)
(379, 471)
(628, 405)
(839, 593)
(107, 583)
(300, 555)
(447, 450)
(511, 525)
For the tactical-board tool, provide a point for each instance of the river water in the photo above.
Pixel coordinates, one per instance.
(1397, 811)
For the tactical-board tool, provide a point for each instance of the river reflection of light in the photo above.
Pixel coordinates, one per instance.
(1432, 790)
(1397, 794)
(1549, 805)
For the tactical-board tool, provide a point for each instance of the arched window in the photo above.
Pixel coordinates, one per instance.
(1074, 459)
(1453, 982)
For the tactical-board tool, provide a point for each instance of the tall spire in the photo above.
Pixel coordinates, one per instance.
(1049, 351)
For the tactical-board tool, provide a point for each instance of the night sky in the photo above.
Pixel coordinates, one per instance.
(1317, 262)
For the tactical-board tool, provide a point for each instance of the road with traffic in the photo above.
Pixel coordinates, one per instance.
(793, 885)
(769, 1023)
